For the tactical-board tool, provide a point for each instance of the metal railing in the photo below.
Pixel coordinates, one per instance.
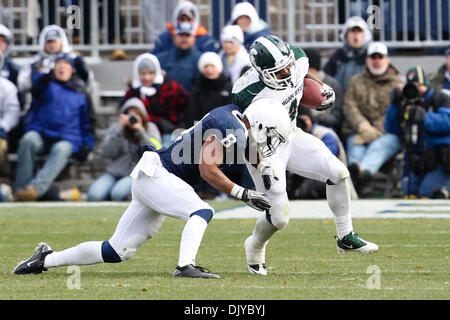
(105, 25)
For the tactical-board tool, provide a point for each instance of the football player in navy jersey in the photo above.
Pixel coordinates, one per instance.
(162, 186)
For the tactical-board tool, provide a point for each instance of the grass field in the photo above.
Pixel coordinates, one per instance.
(413, 260)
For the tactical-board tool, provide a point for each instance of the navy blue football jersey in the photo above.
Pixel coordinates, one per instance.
(183, 155)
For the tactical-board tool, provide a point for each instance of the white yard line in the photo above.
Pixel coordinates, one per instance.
(300, 209)
(384, 209)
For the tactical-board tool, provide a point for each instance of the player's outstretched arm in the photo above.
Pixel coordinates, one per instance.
(211, 155)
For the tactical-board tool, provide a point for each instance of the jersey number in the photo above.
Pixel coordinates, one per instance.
(293, 109)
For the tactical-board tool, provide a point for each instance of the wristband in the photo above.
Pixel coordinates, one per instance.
(237, 191)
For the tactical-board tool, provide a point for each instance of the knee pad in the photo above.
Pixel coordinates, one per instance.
(279, 215)
(341, 173)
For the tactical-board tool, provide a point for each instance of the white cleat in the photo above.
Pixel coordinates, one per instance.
(255, 258)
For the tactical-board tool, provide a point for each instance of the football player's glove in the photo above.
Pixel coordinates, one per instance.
(327, 92)
(256, 200)
(252, 198)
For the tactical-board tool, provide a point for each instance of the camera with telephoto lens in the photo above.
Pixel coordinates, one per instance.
(132, 119)
(410, 94)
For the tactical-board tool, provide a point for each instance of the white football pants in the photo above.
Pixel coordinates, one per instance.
(307, 156)
(156, 193)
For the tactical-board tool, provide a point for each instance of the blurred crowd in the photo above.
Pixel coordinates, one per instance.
(46, 111)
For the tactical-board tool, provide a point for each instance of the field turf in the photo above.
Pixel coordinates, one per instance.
(413, 261)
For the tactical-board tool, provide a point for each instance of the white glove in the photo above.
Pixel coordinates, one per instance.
(327, 92)
(267, 174)
(252, 198)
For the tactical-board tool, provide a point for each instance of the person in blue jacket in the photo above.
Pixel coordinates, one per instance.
(181, 60)
(420, 116)
(187, 12)
(59, 123)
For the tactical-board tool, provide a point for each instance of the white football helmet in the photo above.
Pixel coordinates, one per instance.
(270, 124)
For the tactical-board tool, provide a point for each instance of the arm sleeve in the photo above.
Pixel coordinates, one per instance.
(438, 122)
(112, 144)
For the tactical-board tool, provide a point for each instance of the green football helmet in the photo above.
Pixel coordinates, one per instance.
(269, 55)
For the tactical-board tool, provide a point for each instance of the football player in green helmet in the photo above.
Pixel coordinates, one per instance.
(278, 72)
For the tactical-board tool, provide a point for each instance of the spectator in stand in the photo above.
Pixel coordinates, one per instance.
(211, 90)
(122, 146)
(186, 12)
(441, 80)
(181, 60)
(235, 58)
(52, 40)
(331, 117)
(245, 16)
(59, 123)
(420, 116)
(365, 105)
(351, 58)
(9, 70)
(9, 115)
(165, 100)
(304, 188)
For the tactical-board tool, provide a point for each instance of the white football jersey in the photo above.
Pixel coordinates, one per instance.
(249, 87)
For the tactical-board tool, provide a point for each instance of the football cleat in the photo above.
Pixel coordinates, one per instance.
(191, 271)
(352, 242)
(255, 258)
(35, 263)
(258, 269)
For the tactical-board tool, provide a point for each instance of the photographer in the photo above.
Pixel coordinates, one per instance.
(122, 146)
(420, 116)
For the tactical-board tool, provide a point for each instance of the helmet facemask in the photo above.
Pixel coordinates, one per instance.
(268, 139)
(269, 76)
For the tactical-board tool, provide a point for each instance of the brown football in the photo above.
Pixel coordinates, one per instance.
(312, 95)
